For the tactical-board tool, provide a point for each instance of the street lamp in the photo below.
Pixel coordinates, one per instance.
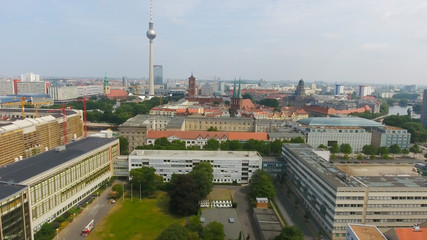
(139, 191)
(57, 233)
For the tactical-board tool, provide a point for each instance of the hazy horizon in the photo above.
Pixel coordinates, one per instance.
(382, 42)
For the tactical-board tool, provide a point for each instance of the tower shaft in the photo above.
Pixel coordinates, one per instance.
(151, 70)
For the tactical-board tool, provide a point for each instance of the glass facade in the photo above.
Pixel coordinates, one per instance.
(15, 218)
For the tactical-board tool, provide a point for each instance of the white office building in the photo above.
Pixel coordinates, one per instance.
(387, 196)
(227, 166)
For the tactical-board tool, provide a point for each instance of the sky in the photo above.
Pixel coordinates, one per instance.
(363, 41)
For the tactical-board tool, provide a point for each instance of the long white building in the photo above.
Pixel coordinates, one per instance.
(227, 166)
(58, 179)
(335, 197)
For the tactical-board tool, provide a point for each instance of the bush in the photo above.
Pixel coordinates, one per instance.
(360, 157)
(234, 204)
(117, 191)
(372, 157)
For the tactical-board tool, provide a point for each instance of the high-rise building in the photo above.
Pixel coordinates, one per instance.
(339, 89)
(364, 90)
(158, 75)
(424, 110)
(151, 34)
(125, 81)
(30, 77)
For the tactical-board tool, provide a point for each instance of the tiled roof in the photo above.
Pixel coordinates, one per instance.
(117, 93)
(211, 134)
(411, 234)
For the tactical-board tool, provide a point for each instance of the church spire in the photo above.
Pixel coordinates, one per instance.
(234, 88)
(239, 94)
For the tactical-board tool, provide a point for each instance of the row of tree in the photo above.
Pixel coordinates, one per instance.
(193, 230)
(265, 148)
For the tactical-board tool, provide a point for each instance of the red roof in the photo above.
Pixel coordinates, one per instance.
(411, 234)
(331, 111)
(117, 93)
(211, 134)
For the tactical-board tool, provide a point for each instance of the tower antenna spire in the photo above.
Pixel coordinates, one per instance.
(151, 11)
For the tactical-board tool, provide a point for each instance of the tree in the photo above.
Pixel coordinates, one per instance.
(403, 102)
(415, 149)
(369, 149)
(297, 140)
(262, 185)
(46, 232)
(226, 102)
(417, 108)
(247, 96)
(212, 144)
(346, 148)
(124, 145)
(276, 147)
(202, 175)
(334, 148)
(174, 232)
(269, 102)
(322, 146)
(116, 191)
(395, 149)
(213, 231)
(146, 178)
(184, 196)
(405, 151)
(383, 151)
(290, 233)
(194, 224)
(212, 129)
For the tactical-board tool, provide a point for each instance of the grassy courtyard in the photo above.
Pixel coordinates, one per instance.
(136, 220)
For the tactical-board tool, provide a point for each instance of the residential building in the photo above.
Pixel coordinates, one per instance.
(423, 118)
(365, 90)
(6, 87)
(386, 195)
(30, 77)
(387, 135)
(59, 179)
(228, 166)
(32, 87)
(158, 74)
(339, 89)
(362, 232)
(63, 93)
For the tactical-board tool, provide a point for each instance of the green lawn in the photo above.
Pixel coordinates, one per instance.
(136, 220)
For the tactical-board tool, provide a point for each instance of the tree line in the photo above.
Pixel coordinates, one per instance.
(417, 130)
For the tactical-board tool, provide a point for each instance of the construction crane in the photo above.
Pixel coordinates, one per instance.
(84, 112)
(22, 103)
(135, 88)
(64, 121)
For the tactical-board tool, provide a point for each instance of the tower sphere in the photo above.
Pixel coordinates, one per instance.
(151, 34)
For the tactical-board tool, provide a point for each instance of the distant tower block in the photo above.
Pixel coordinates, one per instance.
(192, 90)
(125, 82)
(158, 74)
(151, 34)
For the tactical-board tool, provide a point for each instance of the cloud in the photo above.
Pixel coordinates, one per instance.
(375, 46)
(331, 36)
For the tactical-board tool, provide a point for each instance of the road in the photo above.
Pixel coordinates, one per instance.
(96, 210)
(294, 214)
(245, 213)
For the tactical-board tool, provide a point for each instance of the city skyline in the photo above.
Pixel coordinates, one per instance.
(358, 41)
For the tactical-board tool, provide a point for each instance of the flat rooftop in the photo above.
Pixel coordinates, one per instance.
(367, 232)
(268, 222)
(25, 169)
(195, 154)
(338, 121)
(8, 188)
(385, 175)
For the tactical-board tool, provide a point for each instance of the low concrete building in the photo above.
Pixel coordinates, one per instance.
(387, 135)
(268, 223)
(228, 166)
(361, 232)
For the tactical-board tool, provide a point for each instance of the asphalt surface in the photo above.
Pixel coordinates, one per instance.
(245, 213)
(96, 210)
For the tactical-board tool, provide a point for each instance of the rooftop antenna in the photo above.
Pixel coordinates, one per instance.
(151, 11)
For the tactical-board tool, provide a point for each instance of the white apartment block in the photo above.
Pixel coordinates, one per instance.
(90, 90)
(335, 198)
(30, 77)
(6, 87)
(31, 87)
(227, 166)
(59, 179)
(61, 93)
(355, 136)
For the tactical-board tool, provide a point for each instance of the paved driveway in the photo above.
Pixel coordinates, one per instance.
(96, 210)
(245, 213)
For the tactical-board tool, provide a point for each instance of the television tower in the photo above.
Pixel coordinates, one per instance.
(151, 34)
